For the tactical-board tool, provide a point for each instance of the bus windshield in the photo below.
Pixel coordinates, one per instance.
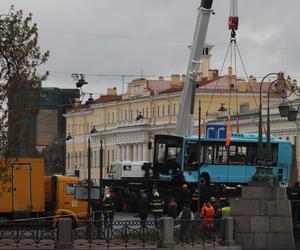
(168, 154)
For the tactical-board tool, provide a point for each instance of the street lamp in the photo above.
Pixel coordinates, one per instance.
(89, 183)
(264, 174)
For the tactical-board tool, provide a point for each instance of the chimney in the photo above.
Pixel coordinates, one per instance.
(112, 91)
(215, 73)
(200, 77)
(252, 80)
(242, 86)
(229, 72)
(183, 78)
(175, 80)
(210, 74)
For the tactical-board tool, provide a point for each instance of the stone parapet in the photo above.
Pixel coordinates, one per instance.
(262, 219)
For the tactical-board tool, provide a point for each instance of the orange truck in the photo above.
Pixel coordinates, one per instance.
(25, 192)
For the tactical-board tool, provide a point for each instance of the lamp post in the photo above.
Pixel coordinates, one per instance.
(89, 184)
(264, 174)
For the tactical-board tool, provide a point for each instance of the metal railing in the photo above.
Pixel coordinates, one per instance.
(198, 232)
(120, 234)
(101, 234)
(30, 233)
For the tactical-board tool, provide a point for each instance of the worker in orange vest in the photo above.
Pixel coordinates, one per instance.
(207, 215)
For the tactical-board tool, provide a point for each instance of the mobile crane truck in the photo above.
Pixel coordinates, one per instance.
(26, 193)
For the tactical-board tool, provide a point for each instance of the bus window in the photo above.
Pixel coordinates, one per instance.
(221, 155)
(208, 158)
(191, 157)
(237, 155)
(161, 153)
(251, 155)
(168, 158)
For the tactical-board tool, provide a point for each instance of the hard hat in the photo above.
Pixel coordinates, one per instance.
(184, 186)
(156, 194)
(107, 195)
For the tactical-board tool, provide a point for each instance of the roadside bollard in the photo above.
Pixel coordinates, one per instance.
(166, 232)
(64, 234)
(227, 232)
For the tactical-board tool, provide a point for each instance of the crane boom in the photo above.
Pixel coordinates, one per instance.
(185, 117)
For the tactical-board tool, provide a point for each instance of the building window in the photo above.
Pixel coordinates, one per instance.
(87, 128)
(143, 112)
(147, 112)
(137, 112)
(68, 160)
(295, 140)
(95, 158)
(113, 155)
(153, 112)
(179, 107)
(287, 138)
(113, 117)
(174, 109)
(130, 114)
(163, 110)
(79, 159)
(125, 115)
(108, 158)
(157, 111)
(108, 117)
(169, 106)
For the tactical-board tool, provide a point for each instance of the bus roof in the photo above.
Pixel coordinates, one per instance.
(239, 137)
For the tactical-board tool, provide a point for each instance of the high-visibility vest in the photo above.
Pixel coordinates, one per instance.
(108, 207)
(157, 206)
(225, 211)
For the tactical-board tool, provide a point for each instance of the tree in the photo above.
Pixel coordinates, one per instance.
(20, 84)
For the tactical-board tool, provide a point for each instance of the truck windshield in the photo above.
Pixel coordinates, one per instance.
(113, 169)
(70, 189)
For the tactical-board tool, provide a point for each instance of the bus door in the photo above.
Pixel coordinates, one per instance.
(215, 162)
(193, 156)
(237, 164)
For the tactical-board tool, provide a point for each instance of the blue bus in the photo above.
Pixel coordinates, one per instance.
(213, 162)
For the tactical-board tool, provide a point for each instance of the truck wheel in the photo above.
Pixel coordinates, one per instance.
(204, 180)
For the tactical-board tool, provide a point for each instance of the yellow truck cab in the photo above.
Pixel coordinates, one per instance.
(60, 197)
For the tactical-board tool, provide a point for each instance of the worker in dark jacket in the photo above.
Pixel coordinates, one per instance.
(157, 207)
(143, 208)
(172, 208)
(184, 197)
(108, 209)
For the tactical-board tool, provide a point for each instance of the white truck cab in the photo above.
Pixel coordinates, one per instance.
(127, 169)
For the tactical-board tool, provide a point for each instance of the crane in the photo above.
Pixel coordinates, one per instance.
(185, 117)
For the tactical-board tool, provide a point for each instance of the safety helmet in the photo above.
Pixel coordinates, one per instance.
(184, 186)
(107, 195)
(156, 194)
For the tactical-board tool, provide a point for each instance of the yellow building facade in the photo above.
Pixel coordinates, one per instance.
(127, 123)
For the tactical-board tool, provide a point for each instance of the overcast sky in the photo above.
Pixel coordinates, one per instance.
(125, 37)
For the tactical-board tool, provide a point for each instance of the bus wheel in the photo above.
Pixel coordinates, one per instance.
(204, 180)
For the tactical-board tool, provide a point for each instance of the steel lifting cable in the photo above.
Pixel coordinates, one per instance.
(236, 92)
(246, 74)
(217, 83)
